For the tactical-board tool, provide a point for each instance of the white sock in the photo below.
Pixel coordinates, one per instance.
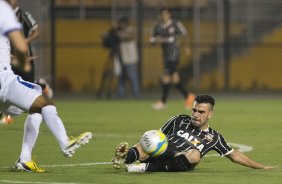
(55, 124)
(31, 130)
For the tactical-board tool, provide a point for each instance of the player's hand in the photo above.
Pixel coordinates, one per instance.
(157, 39)
(153, 40)
(27, 67)
(270, 167)
(31, 58)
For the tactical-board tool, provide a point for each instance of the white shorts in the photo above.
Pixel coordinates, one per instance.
(15, 91)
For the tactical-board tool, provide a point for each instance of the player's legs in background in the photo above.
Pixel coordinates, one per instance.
(165, 83)
(132, 73)
(189, 97)
(9, 112)
(183, 161)
(121, 83)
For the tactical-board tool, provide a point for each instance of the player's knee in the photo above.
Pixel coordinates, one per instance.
(38, 104)
(193, 156)
(166, 79)
(142, 154)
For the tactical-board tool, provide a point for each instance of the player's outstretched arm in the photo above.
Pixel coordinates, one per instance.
(242, 159)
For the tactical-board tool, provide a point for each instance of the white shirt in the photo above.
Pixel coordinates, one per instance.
(8, 23)
(5, 49)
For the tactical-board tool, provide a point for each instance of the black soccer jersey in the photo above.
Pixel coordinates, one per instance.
(168, 33)
(27, 21)
(182, 136)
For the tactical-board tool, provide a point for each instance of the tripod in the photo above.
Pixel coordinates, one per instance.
(107, 78)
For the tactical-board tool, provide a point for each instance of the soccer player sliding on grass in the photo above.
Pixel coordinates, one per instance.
(189, 139)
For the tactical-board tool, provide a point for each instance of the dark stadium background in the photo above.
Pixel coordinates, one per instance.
(235, 44)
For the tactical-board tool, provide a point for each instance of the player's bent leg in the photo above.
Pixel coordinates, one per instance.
(142, 155)
(9, 113)
(177, 164)
(184, 161)
(29, 166)
(39, 103)
(193, 156)
(56, 126)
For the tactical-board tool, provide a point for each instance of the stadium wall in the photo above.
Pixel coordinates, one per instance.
(81, 59)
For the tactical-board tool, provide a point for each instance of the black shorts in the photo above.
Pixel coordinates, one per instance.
(170, 67)
(168, 154)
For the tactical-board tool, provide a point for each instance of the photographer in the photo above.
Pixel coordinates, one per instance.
(121, 41)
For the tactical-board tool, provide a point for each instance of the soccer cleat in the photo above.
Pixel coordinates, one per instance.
(189, 101)
(6, 120)
(120, 154)
(141, 167)
(75, 143)
(159, 105)
(29, 166)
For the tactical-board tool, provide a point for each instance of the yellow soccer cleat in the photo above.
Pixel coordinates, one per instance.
(120, 154)
(29, 166)
(76, 142)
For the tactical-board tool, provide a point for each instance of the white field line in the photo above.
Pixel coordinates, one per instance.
(240, 147)
(74, 165)
(32, 182)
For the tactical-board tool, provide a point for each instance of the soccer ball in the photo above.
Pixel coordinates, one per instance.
(154, 143)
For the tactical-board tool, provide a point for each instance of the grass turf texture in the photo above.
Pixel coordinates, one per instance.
(254, 122)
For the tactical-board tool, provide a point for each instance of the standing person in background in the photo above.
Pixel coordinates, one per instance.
(128, 58)
(30, 31)
(166, 33)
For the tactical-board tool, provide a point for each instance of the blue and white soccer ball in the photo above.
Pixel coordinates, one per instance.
(154, 143)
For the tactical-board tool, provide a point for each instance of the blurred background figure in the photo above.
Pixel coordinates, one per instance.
(166, 33)
(230, 40)
(128, 58)
(30, 31)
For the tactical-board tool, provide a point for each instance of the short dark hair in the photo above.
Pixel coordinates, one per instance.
(164, 9)
(123, 19)
(205, 99)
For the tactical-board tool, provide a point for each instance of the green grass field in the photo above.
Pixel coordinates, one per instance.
(248, 121)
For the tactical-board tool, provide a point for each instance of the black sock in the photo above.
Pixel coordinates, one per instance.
(179, 163)
(165, 90)
(132, 155)
(181, 88)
